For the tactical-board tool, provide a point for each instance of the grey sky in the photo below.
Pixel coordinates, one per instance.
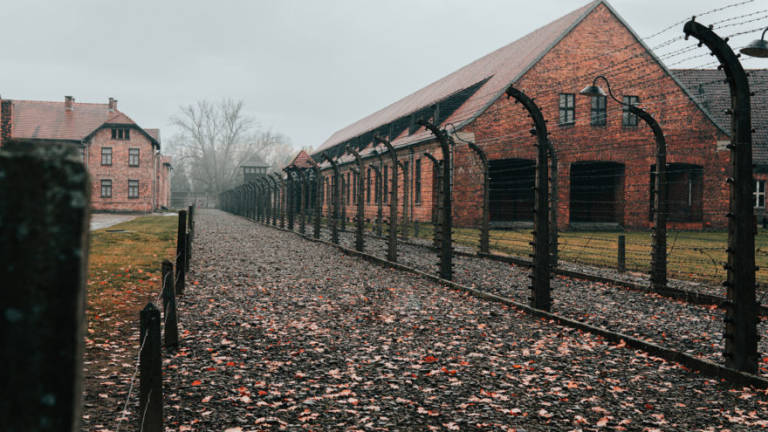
(304, 68)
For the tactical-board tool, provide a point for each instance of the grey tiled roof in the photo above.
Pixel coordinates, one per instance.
(709, 88)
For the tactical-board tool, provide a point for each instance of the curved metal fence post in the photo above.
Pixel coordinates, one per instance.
(318, 199)
(247, 204)
(392, 235)
(377, 199)
(485, 217)
(660, 207)
(446, 229)
(334, 198)
(553, 207)
(343, 203)
(741, 307)
(302, 200)
(360, 217)
(542, 297)
(290, 196)
(404, 219)
(271, 185)
(438, 211)
(257, 199)
(265, 199)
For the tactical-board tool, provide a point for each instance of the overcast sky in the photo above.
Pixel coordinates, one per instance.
(305, 68)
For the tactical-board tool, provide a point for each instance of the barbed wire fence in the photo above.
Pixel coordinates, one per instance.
(604, 212)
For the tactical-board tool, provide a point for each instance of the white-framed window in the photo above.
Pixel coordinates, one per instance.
(133, 188)
(133, 157)
(759, 194)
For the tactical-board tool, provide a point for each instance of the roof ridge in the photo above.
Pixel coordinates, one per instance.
(55, 102)
(496, 67)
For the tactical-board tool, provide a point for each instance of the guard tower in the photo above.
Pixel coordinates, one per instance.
(253, 168)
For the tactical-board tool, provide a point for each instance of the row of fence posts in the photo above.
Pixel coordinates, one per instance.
(741, 315)
(150, 418)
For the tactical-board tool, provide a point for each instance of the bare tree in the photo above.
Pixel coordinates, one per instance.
(215, 139)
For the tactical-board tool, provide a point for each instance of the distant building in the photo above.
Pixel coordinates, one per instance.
(253, 167)
(128, 173)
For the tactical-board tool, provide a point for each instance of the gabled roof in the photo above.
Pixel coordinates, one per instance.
(301, 160)
(501, 68)
(255, 161)
(42, 120)
(708, 87)
(494, 73)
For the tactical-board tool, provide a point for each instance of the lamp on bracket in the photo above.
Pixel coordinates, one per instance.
(758, 47)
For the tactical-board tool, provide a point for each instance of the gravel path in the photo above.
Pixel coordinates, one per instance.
(694, 329)
(284, 334)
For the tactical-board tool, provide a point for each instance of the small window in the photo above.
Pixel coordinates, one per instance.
(417, 181)
(106, 188)
(106, 155)
(121, 134)
(377, 188)
(82, 153)
(567, 108)
(133, 157)
(597, 114)
(627, 118)
(133, 188)
(759, 194)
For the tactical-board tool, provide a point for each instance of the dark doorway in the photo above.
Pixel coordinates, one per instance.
(511, 195)
(685, 190)
(597, 192)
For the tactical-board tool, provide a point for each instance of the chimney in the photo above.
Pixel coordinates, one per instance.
(112, 104)
(6, 120)
(69, 103)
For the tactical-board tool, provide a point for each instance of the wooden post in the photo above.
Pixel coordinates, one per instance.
(192, 221)
(170, 314)
(150, 372)
(622, 263)
(181, 243)
(187, 251)
(44, 195)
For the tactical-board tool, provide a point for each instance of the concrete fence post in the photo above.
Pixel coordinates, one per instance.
(44, 196)
(150, 372)
(170, 314)
(181, 253)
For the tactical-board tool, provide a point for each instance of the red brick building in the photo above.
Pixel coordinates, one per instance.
(128, 173)
(605, 155)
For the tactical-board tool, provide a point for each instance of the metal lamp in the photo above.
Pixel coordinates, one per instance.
(757, 48)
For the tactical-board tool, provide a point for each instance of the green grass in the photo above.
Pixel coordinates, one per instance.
(124, 266)
(691, 255)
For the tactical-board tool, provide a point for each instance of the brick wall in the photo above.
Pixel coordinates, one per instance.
(691, 138)
(598, 43)
(120, 172)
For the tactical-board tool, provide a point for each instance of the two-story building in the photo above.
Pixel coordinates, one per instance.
(128, 173)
